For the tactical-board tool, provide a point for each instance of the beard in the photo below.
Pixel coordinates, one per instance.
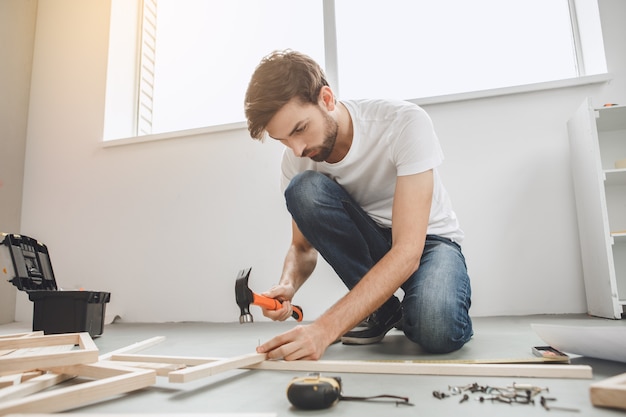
(322, 152)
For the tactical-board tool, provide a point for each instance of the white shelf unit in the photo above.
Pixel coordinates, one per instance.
(597, 141)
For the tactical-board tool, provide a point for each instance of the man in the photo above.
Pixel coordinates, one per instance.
(363, 191)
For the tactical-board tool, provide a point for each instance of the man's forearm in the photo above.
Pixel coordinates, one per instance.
(298, 267)
(376, 287)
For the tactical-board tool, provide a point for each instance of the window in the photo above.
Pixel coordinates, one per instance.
(206, 51)
(430, 48)
(197, 56)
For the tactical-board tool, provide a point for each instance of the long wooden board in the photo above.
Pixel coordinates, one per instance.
(411, 368)
(399, 368)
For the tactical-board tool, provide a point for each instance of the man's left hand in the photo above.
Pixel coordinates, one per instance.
(302, 342)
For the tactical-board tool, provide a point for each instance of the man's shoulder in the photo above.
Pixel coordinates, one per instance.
(381, 108)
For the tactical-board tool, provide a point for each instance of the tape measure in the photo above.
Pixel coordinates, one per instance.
(314, 392)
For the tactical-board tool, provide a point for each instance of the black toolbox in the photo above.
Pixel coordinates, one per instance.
(26, 264)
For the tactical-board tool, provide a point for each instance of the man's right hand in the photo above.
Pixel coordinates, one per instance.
(283, 293)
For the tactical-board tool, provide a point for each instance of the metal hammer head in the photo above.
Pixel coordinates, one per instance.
(244, 295)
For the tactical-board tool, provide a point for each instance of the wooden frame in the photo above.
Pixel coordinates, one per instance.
(369, 367)
(50, 379)
(16, 335)
(88, 352)
(108, 380)
(609, 393)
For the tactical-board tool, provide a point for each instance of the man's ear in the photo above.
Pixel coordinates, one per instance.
(327, 98)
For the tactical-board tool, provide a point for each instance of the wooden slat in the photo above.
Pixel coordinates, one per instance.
(161, 369)
(14, 379)
(17, 335)
(32, 386)
(400, 368)
(493, 370)
(22, 334)
(212, 368)
(135, 347)
(179, 360)
(609, 393)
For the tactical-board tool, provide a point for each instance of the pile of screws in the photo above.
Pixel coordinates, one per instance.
(514, 394)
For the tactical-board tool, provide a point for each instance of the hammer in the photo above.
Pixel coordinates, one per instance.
(244, 297)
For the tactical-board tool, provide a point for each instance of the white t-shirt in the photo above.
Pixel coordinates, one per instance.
(391, 138)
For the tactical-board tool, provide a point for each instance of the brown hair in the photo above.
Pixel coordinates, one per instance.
(277, 79)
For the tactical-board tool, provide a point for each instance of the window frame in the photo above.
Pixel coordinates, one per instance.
(331, 70)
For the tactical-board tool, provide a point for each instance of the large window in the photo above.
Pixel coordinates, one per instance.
(410, 49)
(206, 52)
(197, 55)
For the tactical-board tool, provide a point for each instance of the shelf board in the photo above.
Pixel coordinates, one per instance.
(615, 176)
(611, 118)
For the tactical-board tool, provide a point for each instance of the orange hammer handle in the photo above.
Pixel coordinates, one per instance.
(274, 304)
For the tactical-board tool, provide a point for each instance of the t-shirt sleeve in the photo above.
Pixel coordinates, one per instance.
(416, 148)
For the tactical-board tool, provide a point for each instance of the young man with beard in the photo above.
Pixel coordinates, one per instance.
(361, 184)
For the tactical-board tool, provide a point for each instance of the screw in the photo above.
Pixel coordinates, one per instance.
(440, 395)
(544, 404)
(487, 398)
(465, 398)
(528, 387)
(454, 390)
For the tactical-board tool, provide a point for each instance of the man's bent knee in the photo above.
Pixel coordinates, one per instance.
(437, 340)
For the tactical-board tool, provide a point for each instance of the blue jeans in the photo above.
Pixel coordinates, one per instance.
(437, 297)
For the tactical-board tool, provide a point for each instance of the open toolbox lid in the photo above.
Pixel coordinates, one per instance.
(25, 262)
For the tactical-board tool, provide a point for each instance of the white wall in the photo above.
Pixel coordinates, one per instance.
(17, 35)
(165, 226)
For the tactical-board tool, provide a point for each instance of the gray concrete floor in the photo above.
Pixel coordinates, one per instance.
(244, 391)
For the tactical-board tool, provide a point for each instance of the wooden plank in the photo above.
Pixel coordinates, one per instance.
(411, 368)
(115, 381)
(17, 335)
(212, 368)
(609, 393)
(161, 369)
(179, 360)
(399, 368)
(23, 334)
(32, 386)
(14, 379)
(88, 352)
(135, 347)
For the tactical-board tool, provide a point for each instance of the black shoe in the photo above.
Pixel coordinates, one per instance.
(376, 326)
